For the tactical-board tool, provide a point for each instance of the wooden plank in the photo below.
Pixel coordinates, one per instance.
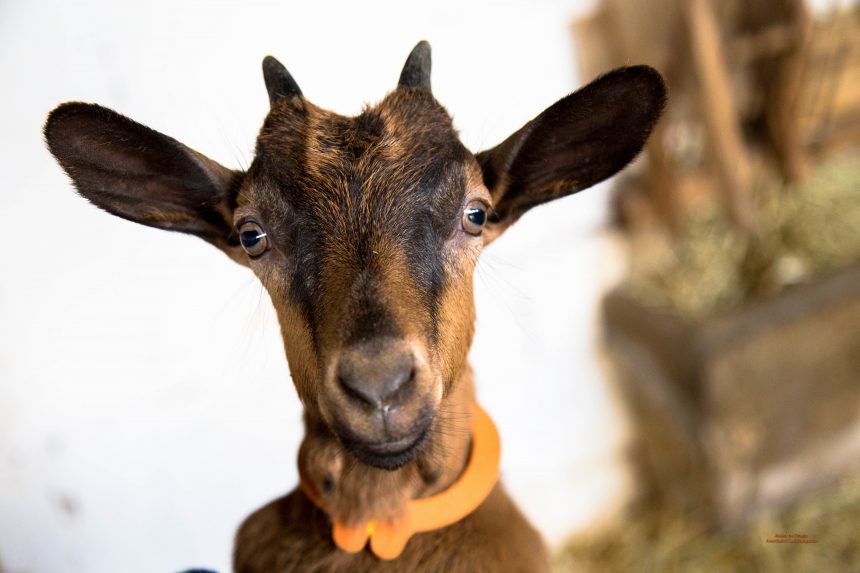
(714, 98)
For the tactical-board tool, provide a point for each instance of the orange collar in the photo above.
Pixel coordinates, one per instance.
(387, 540)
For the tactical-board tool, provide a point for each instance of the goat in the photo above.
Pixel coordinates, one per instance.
(365, 232)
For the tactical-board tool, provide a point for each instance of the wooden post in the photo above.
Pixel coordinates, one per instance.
(718, 111)
(661, 179)
(782, 94)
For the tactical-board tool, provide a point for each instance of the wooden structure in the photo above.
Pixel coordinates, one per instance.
(756, 406)
(745, 411)
(751, 84)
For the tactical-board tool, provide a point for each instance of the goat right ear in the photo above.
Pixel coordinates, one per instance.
(577, 142)
(142, 175)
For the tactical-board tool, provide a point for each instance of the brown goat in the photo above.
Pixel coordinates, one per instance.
(365, 232)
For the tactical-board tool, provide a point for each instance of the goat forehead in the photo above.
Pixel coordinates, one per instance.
(395, 166)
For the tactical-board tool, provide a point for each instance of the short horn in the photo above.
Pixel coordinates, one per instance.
(416, 71)
(279, 83)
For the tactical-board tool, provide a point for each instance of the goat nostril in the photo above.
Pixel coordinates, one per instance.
(400, 390)
(399, 386)
(354, 390)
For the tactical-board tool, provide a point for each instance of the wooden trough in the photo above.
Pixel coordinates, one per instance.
(747, 410)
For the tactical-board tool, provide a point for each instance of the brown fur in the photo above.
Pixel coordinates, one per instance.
(369, 262)
(290, 534)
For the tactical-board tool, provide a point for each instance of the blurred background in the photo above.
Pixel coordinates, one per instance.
(672, 358)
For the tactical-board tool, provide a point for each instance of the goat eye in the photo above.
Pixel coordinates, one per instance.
(474, 217)
(253, 238)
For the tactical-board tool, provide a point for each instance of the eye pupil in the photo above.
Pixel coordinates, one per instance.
(250, 239)
(476, 215)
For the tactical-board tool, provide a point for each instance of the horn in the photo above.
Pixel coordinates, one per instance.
(416, 70)
(279, 83)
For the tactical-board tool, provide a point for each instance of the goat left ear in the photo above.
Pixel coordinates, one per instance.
(580, 140)
(144, 176)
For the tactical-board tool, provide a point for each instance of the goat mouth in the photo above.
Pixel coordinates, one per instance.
(389, 455)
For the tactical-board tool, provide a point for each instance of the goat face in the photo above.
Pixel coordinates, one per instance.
(372, 228)
(364, 230)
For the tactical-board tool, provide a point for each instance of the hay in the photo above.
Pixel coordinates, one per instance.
(653, 541)
(801, 233)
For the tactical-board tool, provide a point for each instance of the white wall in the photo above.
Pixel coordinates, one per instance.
(145, 404)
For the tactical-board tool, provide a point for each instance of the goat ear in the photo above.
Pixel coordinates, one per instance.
(139, 174)
(580, 140)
